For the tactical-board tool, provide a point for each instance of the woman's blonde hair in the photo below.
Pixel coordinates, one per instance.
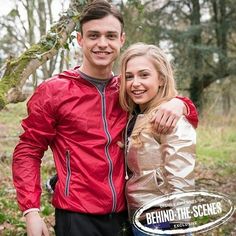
(163, 67)
(165, 72)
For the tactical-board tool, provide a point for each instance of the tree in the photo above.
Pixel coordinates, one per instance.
(17, 70)
(201, 42)
(38, 18)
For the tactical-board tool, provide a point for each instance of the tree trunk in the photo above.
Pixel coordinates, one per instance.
(30, 5)
(196, 84)
(226, 95)
(221, 29)
(19, 69)
(47, 68)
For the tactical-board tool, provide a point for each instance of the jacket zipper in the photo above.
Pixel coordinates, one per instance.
(109, 139)
(110, 173)
(126, 147)
(68, 173)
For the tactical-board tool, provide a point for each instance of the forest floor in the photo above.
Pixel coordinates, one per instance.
(215, 168)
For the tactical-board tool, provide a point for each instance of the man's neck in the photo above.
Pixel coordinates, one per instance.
(98, 73)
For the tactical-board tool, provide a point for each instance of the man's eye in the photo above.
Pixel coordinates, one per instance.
(112, 36)
(93, 36)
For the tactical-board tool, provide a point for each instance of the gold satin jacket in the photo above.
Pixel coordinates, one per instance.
(164, 164)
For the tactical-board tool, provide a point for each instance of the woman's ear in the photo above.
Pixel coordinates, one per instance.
(161, 81)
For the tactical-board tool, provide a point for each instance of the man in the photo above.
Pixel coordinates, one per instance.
(77, 114)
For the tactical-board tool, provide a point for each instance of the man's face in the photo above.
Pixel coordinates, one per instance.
(101, 42)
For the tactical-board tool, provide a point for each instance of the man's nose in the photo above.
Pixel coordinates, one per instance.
(102, 42)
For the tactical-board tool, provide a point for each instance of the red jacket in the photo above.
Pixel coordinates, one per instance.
(82, 127)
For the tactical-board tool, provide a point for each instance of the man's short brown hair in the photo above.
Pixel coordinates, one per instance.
(99, 9)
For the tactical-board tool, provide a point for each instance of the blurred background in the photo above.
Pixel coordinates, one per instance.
(199, 37)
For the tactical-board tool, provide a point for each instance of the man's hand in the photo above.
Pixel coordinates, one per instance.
(35, 225)
(167, 115)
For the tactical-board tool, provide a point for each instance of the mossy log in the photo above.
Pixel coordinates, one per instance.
(17, 70)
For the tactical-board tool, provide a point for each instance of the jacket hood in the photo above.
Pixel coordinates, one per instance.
(70, 74)
(74, 74)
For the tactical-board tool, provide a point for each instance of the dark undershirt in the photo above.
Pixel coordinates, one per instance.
(131, 124)
(99, 83)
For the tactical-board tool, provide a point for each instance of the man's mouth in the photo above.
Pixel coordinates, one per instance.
(101, 53)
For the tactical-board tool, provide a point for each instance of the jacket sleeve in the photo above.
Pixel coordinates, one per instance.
(39, 131)
(178, 150)
(192, 115)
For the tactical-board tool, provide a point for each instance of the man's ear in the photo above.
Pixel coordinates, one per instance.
(79, 39)
(123, 39)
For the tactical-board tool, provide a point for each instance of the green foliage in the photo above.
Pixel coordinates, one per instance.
(216, 142)
(12, 76)
(198, 33)
(49, 41)
(11, 219)
(82, 2)
(47, 210)
(13, 13)
(135, 18)
(38, 53)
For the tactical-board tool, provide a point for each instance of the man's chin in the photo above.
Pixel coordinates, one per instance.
(103, 64)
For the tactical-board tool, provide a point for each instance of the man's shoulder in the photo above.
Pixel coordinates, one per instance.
(117, 78)
(56, 80)
(115, 81)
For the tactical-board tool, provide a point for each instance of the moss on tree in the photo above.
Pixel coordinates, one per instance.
(17, 70)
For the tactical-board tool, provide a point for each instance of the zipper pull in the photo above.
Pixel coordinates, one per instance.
(68, 153)
(126, 175)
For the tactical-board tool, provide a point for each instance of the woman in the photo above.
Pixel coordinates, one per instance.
(156, 164)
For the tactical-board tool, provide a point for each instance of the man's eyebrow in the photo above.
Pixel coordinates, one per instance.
(112, 32)
(93, 31)
(98, 32)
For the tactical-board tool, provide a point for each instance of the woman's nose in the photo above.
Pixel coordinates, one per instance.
(136, 81)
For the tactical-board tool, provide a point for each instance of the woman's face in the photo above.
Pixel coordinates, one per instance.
(142, 80)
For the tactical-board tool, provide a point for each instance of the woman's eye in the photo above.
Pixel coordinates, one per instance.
(128, 77)
(144, 75)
